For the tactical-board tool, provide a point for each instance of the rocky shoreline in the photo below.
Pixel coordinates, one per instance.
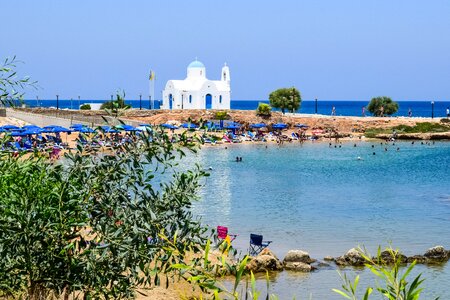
(300, 261)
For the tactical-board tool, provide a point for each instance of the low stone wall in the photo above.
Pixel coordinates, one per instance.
(64, 119)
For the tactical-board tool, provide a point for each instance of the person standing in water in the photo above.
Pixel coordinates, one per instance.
(409, 112)
(333, 111)
(363, 113)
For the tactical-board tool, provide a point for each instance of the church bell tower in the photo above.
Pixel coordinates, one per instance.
(225, 74)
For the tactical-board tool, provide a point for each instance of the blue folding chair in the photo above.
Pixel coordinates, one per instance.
(257, 244)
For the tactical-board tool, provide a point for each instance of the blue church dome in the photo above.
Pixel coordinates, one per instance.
(196, 64)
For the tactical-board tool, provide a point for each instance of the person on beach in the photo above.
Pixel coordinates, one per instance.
(363, 113)
(409, 112)
(448, 112)
(333, 111)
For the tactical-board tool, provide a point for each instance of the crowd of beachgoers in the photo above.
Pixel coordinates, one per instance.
(53, 138)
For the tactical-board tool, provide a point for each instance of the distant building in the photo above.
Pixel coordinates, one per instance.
(197, 91)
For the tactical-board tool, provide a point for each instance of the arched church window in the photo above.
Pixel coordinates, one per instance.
(190, 98)
(220, 99)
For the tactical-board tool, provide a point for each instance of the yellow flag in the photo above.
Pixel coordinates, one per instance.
(151, 76)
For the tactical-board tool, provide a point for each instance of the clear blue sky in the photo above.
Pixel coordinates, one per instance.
(347, 49)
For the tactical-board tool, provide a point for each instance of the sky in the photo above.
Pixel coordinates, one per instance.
(328, 49)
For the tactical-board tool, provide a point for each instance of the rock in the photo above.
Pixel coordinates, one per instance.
(354, 258)
(389, 257)
(328, 258)
(298, 256)
(420, 259)
(298, 266)
(321, 264)
(265, 261)
(340, 261)
(437, 254)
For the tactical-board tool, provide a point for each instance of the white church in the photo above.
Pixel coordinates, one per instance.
(197, 91)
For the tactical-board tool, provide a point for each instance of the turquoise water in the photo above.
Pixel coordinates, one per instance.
(326, 201)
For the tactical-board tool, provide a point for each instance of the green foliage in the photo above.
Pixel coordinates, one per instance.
(221, 115)
(100, 225)
(264, 109)
(423, 127)
(117, 107)
(11, 87)
(286, 99)
(393, 284)
(389, 107)
(85, 107)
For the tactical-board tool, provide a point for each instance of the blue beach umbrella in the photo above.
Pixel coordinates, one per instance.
(30, 126)
(189, 125)
(169, 126)
(18, 133)
(59, 129)
(11, 127)
(85, 130)
(301, 126)
(279, 126)
(31, 131)
(108, 129)
(258, 125)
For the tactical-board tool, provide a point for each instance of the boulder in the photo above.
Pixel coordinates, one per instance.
(420, 259)
(437, 254)
(389, 257)
(297, 256)
(352, 258)
(298, 266)
(265, 261)
(328, 258)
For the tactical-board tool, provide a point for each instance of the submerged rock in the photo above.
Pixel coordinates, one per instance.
(265, 261)
(298, 266)
(328, 258)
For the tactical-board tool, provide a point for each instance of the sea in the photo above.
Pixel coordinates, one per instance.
(324, 107)
(326, 200)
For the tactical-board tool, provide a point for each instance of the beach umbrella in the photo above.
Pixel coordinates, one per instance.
(59, 129)
(301, 126)
(169, 126)
(85, 130)
(128, 127)
(279, 126)
(232, 126)
(258, 125)
(30, 126)
(30, 131)
(108, 129)
(145, 125)
(11, 127)
(18, 133)
(189, 125)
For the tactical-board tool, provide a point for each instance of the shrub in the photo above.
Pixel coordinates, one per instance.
(221, 115)
(80, 225)
(389, 107)
(85, 107)
(264, 109)
(286, 99)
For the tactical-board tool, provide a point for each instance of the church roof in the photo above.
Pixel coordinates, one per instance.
(196, 64)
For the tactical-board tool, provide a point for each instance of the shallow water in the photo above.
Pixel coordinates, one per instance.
(326, 201)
